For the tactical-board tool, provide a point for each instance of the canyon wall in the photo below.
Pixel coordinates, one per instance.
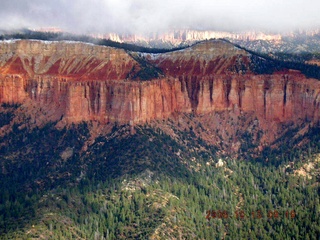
(106, 101)
(278, 97)
(78, 92)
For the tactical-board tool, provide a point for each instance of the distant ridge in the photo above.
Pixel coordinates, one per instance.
(59, 36)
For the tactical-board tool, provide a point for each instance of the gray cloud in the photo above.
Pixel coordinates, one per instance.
(142, 16)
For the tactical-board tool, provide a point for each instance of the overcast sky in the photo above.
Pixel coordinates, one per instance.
(141, 16)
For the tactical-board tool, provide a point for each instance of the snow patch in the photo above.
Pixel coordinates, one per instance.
(10, 41)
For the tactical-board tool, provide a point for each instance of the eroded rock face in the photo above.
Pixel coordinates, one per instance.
(85, 82)
(218, 76)
(107, 101)
(73, 60)
(204, 59)
(277, 97)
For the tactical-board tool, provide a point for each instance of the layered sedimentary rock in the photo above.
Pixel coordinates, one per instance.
(276, 97)
(107, 101)
(85, 82)
(73, 60)
(218, 76)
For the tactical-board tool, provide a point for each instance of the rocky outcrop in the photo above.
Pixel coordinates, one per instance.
(85, 82)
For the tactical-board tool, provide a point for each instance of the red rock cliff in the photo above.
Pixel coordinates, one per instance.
(85, 82)
(218, 76)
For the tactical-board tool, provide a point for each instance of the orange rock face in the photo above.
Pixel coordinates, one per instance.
(218, 77)
(85, 82)
(73, 60)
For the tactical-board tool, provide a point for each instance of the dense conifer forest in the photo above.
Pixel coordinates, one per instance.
(144, 184)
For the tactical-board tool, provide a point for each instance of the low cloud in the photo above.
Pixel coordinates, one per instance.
(144, 16)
